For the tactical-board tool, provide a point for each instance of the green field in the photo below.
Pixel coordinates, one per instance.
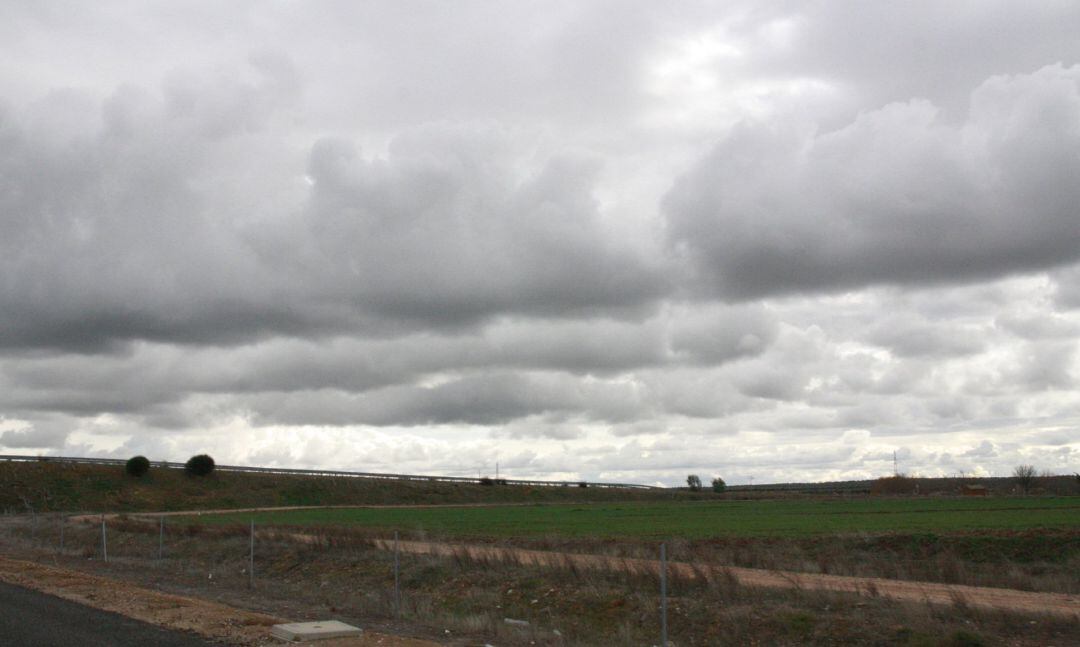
(790, 518)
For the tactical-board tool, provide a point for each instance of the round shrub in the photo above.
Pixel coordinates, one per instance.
(137, 466)
(200, 465)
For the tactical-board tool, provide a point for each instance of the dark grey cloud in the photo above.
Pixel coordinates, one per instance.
(40, 434)
(911, 336)
(897, 196)
(612, 239)
(444, 229)
(128, 229)
(487, 399)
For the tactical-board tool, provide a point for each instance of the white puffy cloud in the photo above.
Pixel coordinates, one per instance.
(613, 240)
(900, 195)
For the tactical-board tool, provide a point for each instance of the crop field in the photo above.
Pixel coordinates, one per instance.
(779, 518)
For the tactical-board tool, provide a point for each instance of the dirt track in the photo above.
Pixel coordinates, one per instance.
(1058, 604)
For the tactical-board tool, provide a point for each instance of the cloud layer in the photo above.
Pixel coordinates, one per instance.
(606, 241)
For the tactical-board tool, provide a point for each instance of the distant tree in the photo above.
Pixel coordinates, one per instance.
(718, 485)
(199, 465)
(1024, 476)
(486, 480)
(694, 481)
(137, 466)
(582, 484)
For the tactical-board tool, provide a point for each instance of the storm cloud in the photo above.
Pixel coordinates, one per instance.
(588, 240)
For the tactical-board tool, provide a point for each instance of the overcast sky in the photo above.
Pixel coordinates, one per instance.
(621, 241)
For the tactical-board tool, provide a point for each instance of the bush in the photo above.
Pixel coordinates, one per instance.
(718, 485)
(201, 465)
(487, 480)
(583, 484)
(694, 482)
(137, 466)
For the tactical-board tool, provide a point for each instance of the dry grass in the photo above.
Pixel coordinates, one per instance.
(340, 574)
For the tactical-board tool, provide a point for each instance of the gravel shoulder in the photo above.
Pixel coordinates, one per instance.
(28, 617)
(209, 620)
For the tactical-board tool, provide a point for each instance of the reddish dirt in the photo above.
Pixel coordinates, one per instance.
(1058, 604)
(210, 620)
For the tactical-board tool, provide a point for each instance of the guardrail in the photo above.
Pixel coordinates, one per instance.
(339, 473)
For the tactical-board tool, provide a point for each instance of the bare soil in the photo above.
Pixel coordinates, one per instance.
(1058, 604)
(211, 620)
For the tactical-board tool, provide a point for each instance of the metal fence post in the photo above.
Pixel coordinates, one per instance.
(161, 537)
(663, 595)
(251, 557)
(104, 541)
(397, 577)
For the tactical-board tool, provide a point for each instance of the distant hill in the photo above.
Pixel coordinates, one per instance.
(51, 485)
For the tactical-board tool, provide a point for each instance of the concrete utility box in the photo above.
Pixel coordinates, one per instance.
(307, 631)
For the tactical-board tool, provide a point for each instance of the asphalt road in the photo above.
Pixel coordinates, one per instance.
(31, 618)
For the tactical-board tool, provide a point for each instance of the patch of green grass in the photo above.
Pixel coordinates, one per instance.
(790, 518)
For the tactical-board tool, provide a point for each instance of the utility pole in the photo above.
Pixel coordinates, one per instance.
(895, 472)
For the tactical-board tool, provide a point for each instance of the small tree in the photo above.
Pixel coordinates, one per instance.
(200, 465)
(137, 466)
(718, 485)
(694, 481)
(1025, 476)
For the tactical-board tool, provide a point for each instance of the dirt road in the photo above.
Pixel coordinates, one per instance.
(1058, 604)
